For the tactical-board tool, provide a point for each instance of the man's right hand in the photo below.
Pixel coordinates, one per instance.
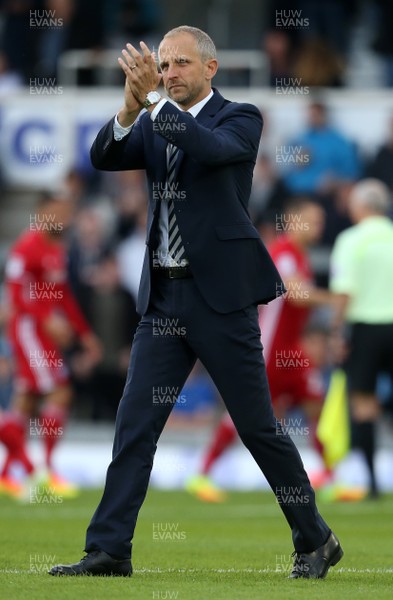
(132, 107)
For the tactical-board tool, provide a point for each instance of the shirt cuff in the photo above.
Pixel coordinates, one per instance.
(120, 132)
(157, 109)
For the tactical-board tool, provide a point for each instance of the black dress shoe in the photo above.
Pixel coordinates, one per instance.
(95, 563)
(316, 564)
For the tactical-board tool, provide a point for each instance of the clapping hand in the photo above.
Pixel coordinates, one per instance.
(142, 77)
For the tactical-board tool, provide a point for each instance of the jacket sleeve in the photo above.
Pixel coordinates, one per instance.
(107, 154)
(235, 138)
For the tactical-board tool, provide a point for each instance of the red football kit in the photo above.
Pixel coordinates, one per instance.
(290, 371)
(37, 287)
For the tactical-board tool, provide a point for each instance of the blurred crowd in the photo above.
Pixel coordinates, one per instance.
(312, 41)
(106, 244)
(306, 43)
(35, 33)
(309, 42)
(321, 163)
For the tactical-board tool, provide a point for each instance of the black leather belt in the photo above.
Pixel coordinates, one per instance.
(173, 272)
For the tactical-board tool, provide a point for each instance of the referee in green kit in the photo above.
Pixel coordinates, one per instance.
(362, 274)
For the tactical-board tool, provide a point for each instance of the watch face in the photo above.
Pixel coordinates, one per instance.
(153, 97)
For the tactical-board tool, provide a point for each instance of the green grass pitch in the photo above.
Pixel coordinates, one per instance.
(186, 550)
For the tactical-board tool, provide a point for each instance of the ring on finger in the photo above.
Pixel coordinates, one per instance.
(134, 67)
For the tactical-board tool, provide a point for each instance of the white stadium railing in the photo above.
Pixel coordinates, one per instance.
(106, 67)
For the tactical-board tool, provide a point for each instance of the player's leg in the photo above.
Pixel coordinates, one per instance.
(201, 485)
(44, 367)
(13, 426)
(53, 417)
(364, 362)
(52, 422)
(223, 437)
(33, 354)
(365, 413)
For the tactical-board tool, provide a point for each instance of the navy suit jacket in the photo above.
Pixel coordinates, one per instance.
(231, 266)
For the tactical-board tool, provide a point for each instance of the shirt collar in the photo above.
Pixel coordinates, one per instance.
(371, 220)
(194, 110)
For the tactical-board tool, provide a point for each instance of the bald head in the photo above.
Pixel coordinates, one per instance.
(369, 197)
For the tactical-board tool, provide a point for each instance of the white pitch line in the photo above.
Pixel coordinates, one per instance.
(207, 571)
(261, 571)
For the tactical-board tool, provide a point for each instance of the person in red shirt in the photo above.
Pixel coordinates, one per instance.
(44, 321)
(293, 378)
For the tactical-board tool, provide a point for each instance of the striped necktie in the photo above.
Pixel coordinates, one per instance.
(176, 248)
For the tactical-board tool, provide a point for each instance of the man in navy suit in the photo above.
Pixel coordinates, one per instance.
(205, 272)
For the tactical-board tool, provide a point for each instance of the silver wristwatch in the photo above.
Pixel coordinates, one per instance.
(151, 98)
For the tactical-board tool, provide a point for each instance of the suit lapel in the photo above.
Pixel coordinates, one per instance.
(210, 109)
(160, 156)
(204, 117)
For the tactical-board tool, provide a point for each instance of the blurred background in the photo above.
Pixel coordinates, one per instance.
(305, 64)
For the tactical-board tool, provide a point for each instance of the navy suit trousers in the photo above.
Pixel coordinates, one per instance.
(178, 328)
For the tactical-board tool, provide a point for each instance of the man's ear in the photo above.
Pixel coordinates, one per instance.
(211, 67)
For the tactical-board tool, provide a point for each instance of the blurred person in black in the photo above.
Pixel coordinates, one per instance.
(268, 196)
(138, 18)
(10, 81)
(86, 31)
(317, 65)
(53, 39)
(87, 28)
(35, 33)
(303, 35)
(381, 165)
(19, 41)
(280, 42)
(361, 274)
(383, 40)
(329, 21)
(106, 304)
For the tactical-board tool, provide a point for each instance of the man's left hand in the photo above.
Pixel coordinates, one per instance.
(140, 70)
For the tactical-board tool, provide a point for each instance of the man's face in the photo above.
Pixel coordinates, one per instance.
(185, 76)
